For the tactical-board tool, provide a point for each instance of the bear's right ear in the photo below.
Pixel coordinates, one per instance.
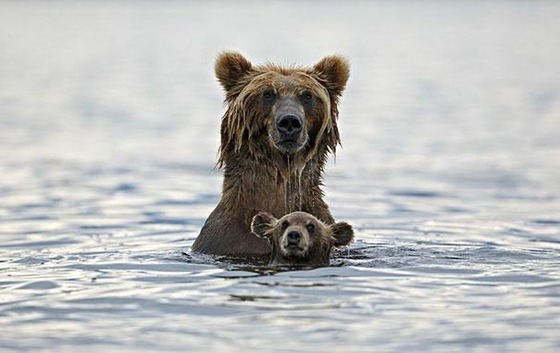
(262, 224)
(333, 72)
(343, 233)
(230, 68)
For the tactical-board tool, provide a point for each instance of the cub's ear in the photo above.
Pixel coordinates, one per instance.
(343, 233)
(230, 68)
(262, 224)
(333, 72)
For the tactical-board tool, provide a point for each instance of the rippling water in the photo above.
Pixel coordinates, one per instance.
(450, 174)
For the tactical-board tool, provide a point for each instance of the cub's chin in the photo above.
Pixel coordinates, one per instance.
(294, 252)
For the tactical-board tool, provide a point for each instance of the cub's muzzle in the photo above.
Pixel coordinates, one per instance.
(293, 238)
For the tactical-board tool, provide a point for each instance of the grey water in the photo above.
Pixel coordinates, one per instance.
(449, 173)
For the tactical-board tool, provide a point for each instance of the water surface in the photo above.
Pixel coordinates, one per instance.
(449, 173)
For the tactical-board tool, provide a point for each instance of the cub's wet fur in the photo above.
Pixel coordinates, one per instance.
(300, 239)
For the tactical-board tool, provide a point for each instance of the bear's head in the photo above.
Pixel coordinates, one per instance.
(300, 239)
(280, 110)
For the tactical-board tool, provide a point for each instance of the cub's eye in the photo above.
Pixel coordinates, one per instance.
(285, 225)
(268, 95)
(310, 228)
(307, 97)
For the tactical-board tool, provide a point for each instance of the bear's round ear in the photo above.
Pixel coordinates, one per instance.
(230, 68)
(333, 72)
(343, 233)
(262, 224)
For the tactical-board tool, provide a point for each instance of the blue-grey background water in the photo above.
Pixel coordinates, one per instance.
(449, 172)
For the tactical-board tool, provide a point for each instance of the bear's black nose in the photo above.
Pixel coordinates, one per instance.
(293, 237)
(289, 125)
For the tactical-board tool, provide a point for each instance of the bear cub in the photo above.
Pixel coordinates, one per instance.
(300, 239)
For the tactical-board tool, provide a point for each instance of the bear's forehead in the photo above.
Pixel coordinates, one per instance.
(300, 218)
(286, 80)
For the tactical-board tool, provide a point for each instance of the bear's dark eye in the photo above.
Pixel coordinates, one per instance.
(310, 227)
(285, 225)
(268, 96)
(307, 97)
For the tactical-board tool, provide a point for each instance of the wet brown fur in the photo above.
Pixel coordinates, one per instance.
(257, 176)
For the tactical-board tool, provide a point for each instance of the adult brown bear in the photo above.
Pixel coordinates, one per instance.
(276, 134)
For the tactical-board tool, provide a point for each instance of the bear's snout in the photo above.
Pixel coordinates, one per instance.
(290, 133)
(289, 130)
(293, 238)
(294, 243)
(289, 126)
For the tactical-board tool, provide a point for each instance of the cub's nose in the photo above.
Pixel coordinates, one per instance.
(294, 237)
(289, 125)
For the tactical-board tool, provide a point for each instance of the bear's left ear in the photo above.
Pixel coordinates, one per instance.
(333, 72)
(262, 224)
(230, 68)
(343, 233)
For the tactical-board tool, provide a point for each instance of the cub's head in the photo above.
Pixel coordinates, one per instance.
(299, 238)
(274, 109)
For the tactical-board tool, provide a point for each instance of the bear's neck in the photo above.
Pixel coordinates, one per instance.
(278, 185)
